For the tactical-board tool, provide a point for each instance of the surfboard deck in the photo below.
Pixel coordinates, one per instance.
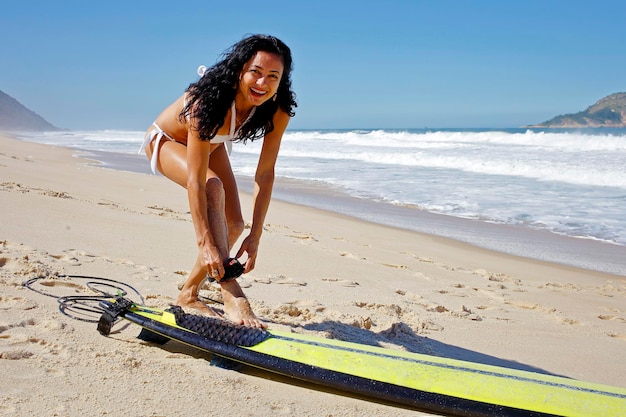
(426, 382)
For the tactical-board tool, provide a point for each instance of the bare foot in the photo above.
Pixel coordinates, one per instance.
(239, 311)
(237, 306)
(186, 300)
(200, 307)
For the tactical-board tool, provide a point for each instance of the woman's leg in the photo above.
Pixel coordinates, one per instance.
(236, 305)
(223, 208)
(220, 164)
(172, 163)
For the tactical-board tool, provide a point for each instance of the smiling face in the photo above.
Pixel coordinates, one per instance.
(260, 78)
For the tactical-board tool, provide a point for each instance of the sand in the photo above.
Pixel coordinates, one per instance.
(317, 272)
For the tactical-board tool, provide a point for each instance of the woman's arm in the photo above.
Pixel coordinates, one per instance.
(198, 154)
(263, 185)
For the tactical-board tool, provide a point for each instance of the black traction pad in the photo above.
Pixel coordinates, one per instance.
(218, 329)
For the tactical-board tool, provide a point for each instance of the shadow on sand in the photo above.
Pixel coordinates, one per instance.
(400, 335)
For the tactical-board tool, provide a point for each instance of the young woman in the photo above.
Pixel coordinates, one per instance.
(245, 96)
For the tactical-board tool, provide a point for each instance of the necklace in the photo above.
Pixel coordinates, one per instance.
(243, 119)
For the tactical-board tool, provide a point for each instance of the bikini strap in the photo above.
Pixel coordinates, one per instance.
(233, 120)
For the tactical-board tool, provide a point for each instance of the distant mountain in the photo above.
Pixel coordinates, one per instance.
(608, 112)
(14, 116)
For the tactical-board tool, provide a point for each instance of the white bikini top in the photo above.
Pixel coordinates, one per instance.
(228, 139)
(158, 134)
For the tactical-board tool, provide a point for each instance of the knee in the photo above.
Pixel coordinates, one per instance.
(235, 228)
(215, 189)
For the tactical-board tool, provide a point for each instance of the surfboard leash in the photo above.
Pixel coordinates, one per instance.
(85, 307)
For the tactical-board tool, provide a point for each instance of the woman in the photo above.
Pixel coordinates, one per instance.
(245, 96)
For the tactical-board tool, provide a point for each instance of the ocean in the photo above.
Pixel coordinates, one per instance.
(554, 195)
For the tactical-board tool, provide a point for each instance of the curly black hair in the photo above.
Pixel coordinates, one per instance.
(213, 94)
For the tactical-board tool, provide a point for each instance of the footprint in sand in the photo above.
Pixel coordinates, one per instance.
(524, 305)
(69, 259)
(342, 282)
(557, 286)
(419, 258)
(300, 310)
(391, 310)
(280, 279)
(12, 186)
(411, 295)
(568, 321)
(303, 237)
(268, 227)
(62, 283)
(16, 303)
(417, 300)
(351, 256)
(553, 313)
(163, 210)
(108, 203)
(17, 268)
(611, 290)
(396, 266)
(57, 194)
(76, 257)
(23, 340)
(612, 317)
(168, 212)
(159, 301)
(497, 277)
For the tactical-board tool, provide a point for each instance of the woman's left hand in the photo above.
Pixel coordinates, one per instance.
(250, 246)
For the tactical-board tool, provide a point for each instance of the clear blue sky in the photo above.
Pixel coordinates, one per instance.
(358, 64)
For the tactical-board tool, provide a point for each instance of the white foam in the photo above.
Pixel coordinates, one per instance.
(570, 183)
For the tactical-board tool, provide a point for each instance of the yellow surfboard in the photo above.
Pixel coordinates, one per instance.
(425, 382)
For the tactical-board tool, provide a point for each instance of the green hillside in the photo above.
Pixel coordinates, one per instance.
(607, 112)
(15, 117)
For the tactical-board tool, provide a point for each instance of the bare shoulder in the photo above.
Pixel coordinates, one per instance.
(281, 120)
(281, 115)
(174, 109)
(272, 140)
(169, 119)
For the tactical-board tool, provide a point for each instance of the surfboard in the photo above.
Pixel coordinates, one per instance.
(423, 382)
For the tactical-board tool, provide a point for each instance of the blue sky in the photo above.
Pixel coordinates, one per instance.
(87, 65)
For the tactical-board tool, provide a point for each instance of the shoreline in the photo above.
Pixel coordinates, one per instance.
(318, 272)
(516, 240)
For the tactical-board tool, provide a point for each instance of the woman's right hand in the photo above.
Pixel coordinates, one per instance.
(212, 261)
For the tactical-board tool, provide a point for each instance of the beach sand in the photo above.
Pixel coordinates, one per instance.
(317, 272)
